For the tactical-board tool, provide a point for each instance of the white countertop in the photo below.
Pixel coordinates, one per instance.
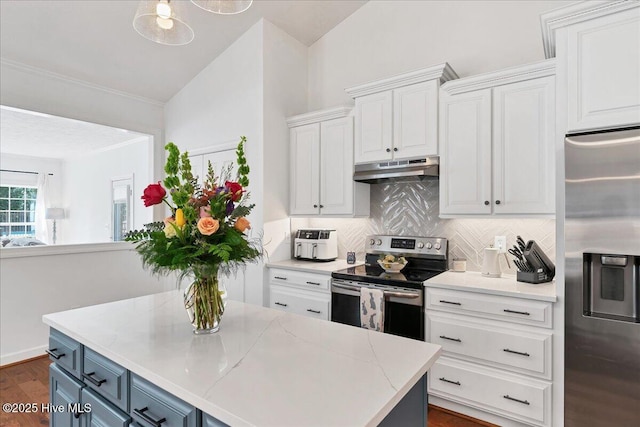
(263, 368)
(312, 266)
(505, 285)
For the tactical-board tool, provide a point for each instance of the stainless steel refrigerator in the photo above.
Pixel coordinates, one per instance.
(602, 279)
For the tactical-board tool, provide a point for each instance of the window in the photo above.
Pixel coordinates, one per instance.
(17, 211)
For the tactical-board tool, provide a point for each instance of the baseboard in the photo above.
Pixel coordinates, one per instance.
(21, 356)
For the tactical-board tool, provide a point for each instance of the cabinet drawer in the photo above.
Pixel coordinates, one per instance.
(516, 310)
(106, 378)
(299, 279)
(102, 413)
(508, 395)
(150, 405)
(518, 348)
(304, 303)
(65, 352)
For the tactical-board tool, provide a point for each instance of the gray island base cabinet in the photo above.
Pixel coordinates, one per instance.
(111, 367)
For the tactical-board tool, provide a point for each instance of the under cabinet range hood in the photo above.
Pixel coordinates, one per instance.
(398, 170)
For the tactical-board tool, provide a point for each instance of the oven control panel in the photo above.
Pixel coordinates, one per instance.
(410, 245)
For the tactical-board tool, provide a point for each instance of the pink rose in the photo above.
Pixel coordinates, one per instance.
(205, 212)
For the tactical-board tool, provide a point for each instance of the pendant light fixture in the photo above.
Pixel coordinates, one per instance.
(223, 7)
(163, 21)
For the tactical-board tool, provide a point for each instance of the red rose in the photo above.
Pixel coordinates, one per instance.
(153, 194)
(235, 190)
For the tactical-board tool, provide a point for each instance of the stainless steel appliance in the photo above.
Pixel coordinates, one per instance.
(316, 245)
(602, 279)
(399, 170)
(404, 291)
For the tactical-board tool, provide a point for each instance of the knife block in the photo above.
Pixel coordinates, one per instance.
(533, 277)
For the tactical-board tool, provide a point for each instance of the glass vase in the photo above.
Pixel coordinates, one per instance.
(205, 300)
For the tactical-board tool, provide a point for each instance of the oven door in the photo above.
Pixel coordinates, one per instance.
(403, 309)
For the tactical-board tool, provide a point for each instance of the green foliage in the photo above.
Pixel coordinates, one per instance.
(166, 246)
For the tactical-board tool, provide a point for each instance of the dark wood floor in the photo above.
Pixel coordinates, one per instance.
(28, 382)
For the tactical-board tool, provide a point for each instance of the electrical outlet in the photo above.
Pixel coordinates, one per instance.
(500, 242)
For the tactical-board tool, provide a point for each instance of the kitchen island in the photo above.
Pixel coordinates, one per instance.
(264, 368)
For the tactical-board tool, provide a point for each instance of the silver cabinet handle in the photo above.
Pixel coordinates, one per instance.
(313, 283)
(524, 402)
(400, 294)
(313, 311)
(450, 302)
(279, 277)
(280, 304)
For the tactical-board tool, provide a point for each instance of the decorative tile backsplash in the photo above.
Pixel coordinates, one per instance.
(411, 209)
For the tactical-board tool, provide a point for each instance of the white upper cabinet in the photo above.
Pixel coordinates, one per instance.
(397, 118)
(322, 165)
(598, 52)
(496, 143)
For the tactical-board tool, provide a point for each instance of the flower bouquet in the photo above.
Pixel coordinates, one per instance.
(205, 234)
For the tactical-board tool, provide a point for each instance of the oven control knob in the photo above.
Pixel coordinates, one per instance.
(420, 245)
(437, 246)
(371, 242)
(429, 245)
(378, 242)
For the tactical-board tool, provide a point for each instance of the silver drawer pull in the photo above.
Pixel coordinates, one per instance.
(516, 352)
(449, 381)
(524, 313)
(94, 381)
(280, 304)
(524, 402)
(444, 337)
(313, 283)
(52, 353)
(450, 302)
(279, 278)
(313, 311)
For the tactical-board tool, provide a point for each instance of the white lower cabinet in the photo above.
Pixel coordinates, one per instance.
(307, 294)
(497, 354)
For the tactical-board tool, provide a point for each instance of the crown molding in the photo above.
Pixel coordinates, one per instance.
(442, 72)
(509, 75)
(319, 116)
(61, 77)
(575, 13)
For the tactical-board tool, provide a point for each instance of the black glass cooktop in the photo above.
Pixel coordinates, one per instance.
(408, 277)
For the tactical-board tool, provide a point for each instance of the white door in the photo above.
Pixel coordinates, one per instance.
(197, 166)
(305, 172)
(465, 153)
(415, 120)
(336, 166)
(523, 147)
(603, 66)
(374, 131)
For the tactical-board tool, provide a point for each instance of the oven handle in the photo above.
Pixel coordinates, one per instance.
(395, 294)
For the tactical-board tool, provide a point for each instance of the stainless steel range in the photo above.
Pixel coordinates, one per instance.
(404, 292)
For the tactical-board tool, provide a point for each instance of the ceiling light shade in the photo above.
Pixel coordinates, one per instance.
(163, 21)
(223, 7)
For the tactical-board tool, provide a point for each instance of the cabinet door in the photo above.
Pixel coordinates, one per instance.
(99, 413)
(523, 155)
(465, 153)
(220, 162)
(603, 66)
(374, 130)
(64, 396)
(336, 166)
(305, 172)
(415, 120)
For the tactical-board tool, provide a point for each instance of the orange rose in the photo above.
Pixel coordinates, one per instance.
(208, 226)
(242, 224)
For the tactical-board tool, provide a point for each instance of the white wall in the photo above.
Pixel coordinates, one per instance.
(384, 38)
(248, 90)
(36, 285)
(87, 195)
